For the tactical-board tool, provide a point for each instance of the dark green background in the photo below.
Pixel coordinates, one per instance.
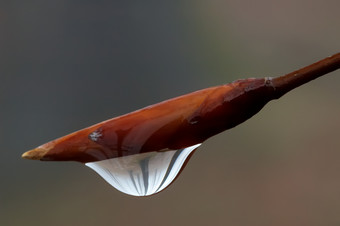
(65, 65)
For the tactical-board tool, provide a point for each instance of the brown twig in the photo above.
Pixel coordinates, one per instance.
(179, 122)
(285, 83)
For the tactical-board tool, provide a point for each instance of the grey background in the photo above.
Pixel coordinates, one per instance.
(65, 65)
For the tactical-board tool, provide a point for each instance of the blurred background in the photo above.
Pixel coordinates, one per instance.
(65, 65)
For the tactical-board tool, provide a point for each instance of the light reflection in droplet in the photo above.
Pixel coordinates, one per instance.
(143, 174)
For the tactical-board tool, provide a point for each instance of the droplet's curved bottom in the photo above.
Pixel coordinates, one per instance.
(142, 174)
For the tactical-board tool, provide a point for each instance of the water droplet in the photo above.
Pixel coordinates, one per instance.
(143, 174)
(95, 135)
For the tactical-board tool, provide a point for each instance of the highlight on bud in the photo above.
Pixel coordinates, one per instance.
(35, 154)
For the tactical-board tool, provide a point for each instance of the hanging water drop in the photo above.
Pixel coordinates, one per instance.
(143, 174)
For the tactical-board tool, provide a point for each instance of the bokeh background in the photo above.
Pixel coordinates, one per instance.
(65, 65)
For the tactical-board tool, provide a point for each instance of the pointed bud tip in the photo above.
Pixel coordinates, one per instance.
(35, 154)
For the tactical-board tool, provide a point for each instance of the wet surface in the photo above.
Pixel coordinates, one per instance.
(143, 174)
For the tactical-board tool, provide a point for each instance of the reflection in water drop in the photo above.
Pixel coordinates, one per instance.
(142, 174)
